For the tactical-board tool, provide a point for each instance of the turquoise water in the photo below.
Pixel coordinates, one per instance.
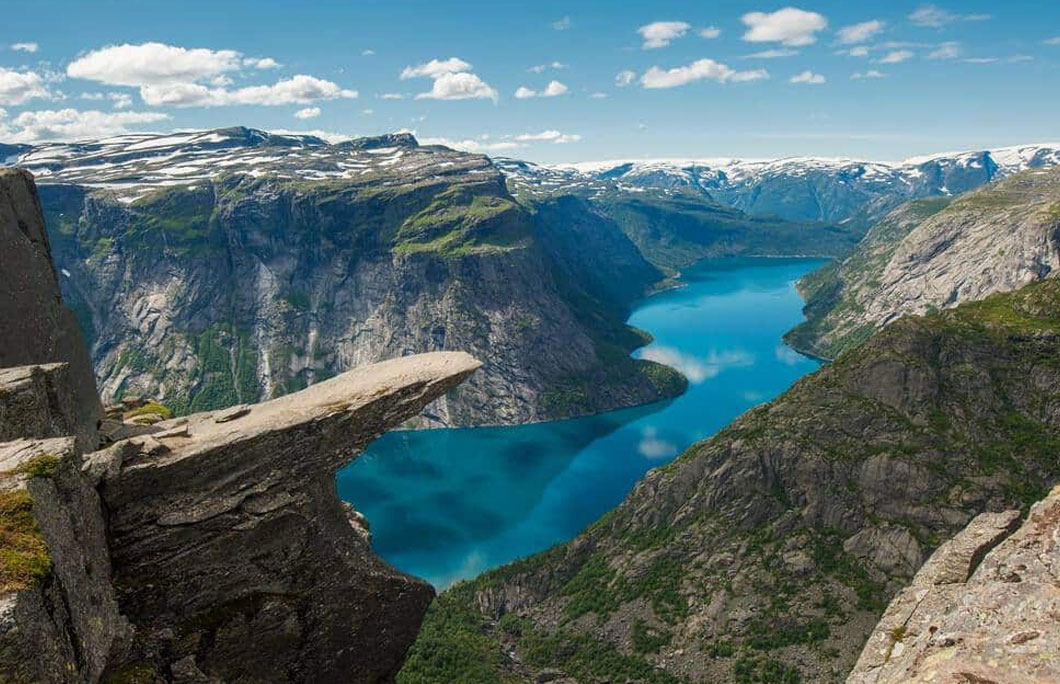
(449, 504)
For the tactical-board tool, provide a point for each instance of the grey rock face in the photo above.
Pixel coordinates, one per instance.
(279, 261)
(35, 327)
(982, 609)
(936, 254)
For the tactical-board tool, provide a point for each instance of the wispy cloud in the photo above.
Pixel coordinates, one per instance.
(654, 447)
(871, 73)
(859, 33)
(625, 77)
(772, 54)
(933, 16)
(25, 47)
(563, 24)
(698, 369)
(896, 57)
(808, 77)
(948, 50)
(307, 113)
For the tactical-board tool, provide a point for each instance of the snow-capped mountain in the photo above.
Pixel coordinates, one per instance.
(134, 164)
(796, 188)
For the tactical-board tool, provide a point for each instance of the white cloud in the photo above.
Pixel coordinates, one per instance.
(367, 112)
(896, 57)
(25, 47)
(772, 54)
(152, 64)
(1052, 41)
(261, 63)
(981, 60)
(307, 113)
(436, 68)
(598, 96)
(789, 26)
(392, 96)
(948, 50)
(658, 34)
(549, 136)
(299, 89)
(120, 100)
(553, 89)
(860, 51)
(562, 24)
(367, 53)
(453, 80)
(808, 77)
(700, 69)
(933, 16)
(471, 145)
(19, 87)
(541, 68)
(459, 86)
(859, 33)
(71, 124)
(871, 73)
(328, 136)
(625, 77)
(1015, 59)
(652, 446)
(709, 32)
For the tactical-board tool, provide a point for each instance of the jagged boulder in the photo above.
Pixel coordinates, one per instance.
(982, 610)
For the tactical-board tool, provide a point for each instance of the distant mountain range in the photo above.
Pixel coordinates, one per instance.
(796, 188)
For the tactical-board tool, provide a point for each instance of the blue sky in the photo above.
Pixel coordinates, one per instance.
(598, 80)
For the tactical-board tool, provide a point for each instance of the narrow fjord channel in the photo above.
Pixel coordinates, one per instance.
(448, 504)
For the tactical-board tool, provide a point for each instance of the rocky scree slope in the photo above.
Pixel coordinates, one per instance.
(799, 188)
(767, 553)
(209, 548)
(932, 254)
(229, 266)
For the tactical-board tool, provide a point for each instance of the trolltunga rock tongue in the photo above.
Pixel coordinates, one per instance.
(233, 556)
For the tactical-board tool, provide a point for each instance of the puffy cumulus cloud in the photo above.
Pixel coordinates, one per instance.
(459, 86)
(307, 113)
(789, 26)
(72, 124)
(19, 87)
(709, 32)
(659, 34)
(772, 54)
(300, 89)
(549, 136)
(933, 16)
(859, 33)
(453, 80)
(896, 57)
(701, 69)
(435, 68)
(261, 63)
(808, 77)
(947, 50)
(25, 47)
(152, 64)
(871, 73)
(553, 89)
(625, 77)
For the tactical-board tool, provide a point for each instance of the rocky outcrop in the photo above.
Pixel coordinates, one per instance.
(982, 609)
(768, 552)
(208, 548)
(935, 254)
(35, 327)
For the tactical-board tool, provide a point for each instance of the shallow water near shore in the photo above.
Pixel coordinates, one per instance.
(449, 504)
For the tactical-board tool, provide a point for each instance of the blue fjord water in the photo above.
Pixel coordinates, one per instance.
(448, 504)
